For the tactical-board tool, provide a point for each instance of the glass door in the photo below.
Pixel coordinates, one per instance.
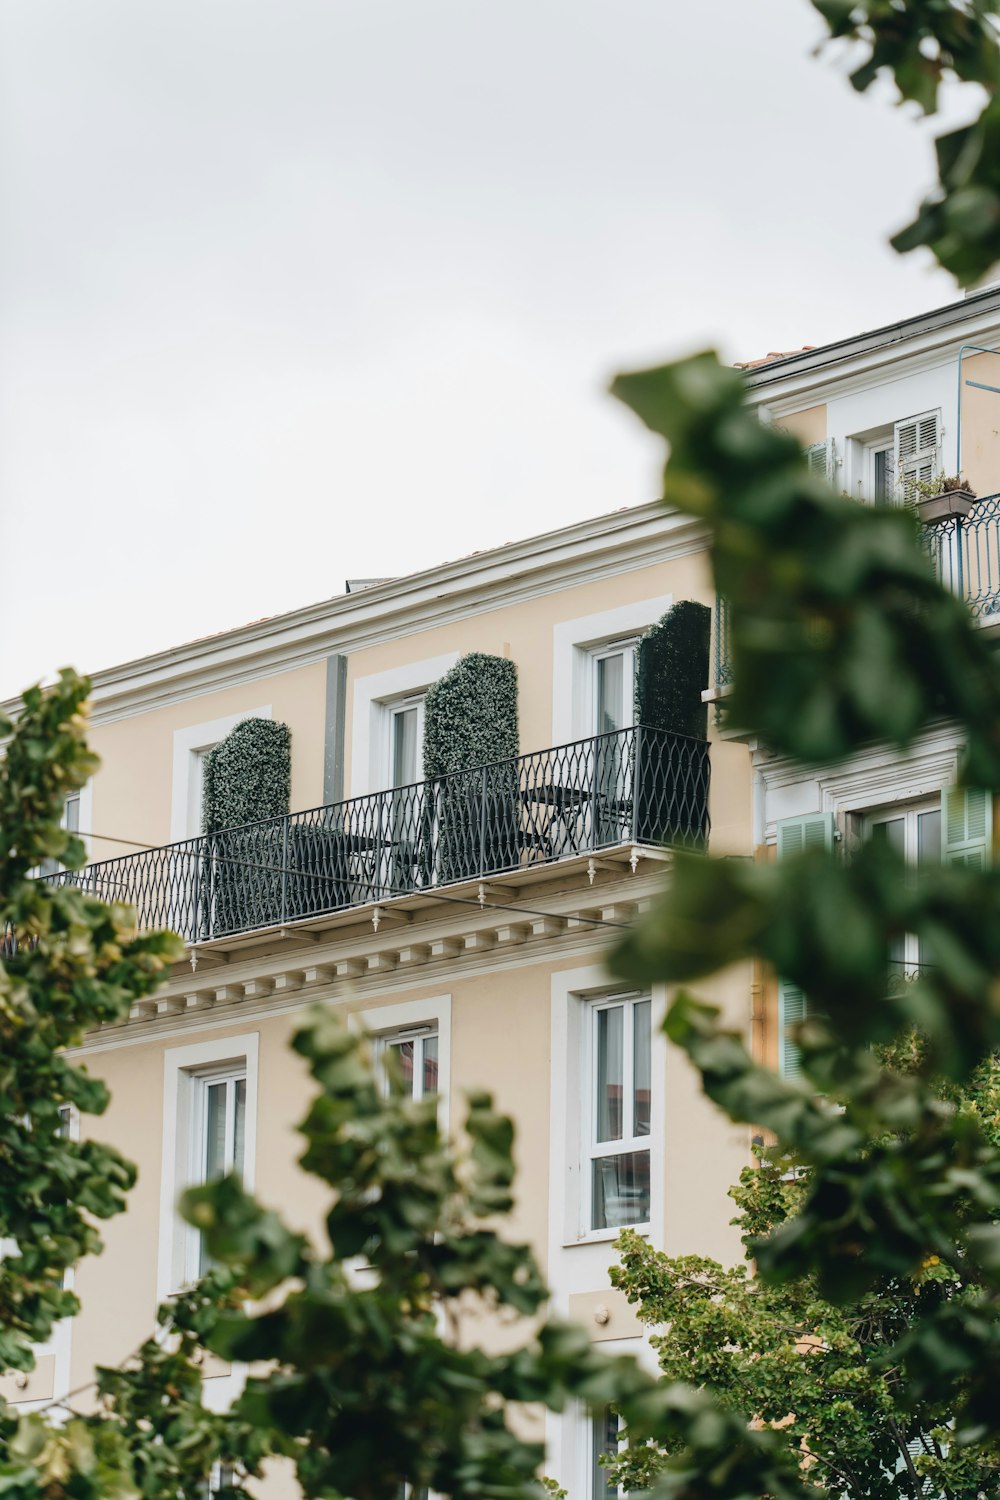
(614, 711)
(406, 741)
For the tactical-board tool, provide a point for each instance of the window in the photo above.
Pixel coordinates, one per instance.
(614, 687)
(218, 1140)
(415, 1057)
(70, 820)
(406, 741)
(209, 1130)
(604, 1440)
(620, 1044)
(915, 835)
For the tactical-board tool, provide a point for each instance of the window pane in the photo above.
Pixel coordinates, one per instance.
(215, 1130)
(610, 1076)
(403, 1053)
(621, 1190)
(885, 475)
(404, 746)
(641, 1067)
(604, 1439)
(240, 1126)
(610, 693)
(929, 838)
(430, 1065)
(71, 817)
(893, 833)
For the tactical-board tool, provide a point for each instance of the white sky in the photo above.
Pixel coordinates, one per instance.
(299, 290)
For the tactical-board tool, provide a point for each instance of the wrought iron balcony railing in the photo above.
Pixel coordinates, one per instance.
(638, 786)
(965, 551)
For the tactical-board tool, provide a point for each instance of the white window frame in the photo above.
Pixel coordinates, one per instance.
(909, 812)
(592, 1435)
(191, 745)
(573, 641)
(572, 992)
(229, 1074)
(627, 1144)
(389, 712)
(627, 647)
(389, 1041)
(370, 697)
(385, 1022)
(185, 1068)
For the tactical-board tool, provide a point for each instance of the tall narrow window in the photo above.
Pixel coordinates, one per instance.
(218, 1138)
(406, 732)
(604, 1440)
(915, 834)
(621, 1081)
(614, 688)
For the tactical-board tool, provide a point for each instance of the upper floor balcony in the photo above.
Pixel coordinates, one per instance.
(965, 552)
(635, 787)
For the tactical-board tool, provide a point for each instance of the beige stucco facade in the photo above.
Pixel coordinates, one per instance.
(508, 980)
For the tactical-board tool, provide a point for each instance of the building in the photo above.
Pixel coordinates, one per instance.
(460, 910)
(460, 916)
(889, 416)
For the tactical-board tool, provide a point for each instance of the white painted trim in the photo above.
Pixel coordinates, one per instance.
(369, 763)
(572, 642)
(179, 1063)
(382, 1020)
(189, 743)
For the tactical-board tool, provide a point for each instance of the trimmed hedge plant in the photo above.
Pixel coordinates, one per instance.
(672, 671)
(247, 779)
(470, 721)
(671, 675)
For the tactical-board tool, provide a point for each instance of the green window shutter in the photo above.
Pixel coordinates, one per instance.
(818, 459)
(814, 831)
(967, 815)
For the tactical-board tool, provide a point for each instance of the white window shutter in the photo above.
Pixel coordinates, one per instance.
(814, 831)
(967, 814)
(917, 450)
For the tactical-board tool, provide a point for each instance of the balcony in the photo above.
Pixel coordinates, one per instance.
(639, 786)
(965, 552)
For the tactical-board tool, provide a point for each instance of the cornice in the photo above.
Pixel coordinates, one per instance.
(590, 550)
(436, 944)
(973, 319)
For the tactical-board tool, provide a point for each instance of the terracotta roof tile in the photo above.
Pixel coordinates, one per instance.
(755, 364)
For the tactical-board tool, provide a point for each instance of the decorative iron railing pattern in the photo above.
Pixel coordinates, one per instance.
(641, 785)
(965, 551)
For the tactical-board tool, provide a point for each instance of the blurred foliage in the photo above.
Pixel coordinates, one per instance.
(923, 45)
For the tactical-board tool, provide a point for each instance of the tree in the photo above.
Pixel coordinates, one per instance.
(828, 1375)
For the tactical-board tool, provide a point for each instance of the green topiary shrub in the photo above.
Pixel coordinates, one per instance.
(247, 778)
(672, 671)
(671, 774)
(470, 721)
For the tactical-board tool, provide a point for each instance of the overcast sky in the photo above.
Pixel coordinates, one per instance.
(299, 290)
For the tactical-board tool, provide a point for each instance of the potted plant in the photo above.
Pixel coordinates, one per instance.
(940, 498)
